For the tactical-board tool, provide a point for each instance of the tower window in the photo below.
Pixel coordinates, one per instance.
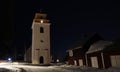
(41, 30)
(41, 41)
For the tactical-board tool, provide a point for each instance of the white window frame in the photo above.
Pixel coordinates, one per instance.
(70, 53)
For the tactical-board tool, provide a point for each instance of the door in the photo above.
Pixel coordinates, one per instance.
(80, 62)
(115, 61)
(41, 60)
(75, 62)
(94, 62)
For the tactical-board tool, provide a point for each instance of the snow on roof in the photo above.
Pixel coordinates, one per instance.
(98, 46)
(74, 48)
(81, 43)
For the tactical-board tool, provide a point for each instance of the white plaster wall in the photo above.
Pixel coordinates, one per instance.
(37, 44)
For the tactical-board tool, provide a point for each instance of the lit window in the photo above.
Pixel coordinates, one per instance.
(70, 53)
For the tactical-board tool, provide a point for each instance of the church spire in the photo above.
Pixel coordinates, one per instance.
(41, 18)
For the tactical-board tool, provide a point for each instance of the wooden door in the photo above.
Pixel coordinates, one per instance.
(115, 61)
(80, 62)
(94, 62)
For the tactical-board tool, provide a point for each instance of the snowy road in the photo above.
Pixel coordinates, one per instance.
(8, 67)
(28, 68)
(63, 68)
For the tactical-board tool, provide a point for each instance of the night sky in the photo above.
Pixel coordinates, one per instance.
(70, 19)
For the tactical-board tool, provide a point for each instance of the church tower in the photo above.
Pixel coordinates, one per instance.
(40, 39)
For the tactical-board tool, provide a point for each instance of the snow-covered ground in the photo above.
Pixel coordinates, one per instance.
(16, 67)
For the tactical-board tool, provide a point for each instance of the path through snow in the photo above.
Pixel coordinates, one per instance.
(61, 68)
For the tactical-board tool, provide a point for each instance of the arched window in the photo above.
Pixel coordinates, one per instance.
(41, 30)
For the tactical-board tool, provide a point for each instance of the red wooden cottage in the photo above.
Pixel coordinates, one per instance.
(76, 54)
(104, 54)
(95, 54)
(112, 55)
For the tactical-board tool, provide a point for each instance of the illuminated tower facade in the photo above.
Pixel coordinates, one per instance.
(40, 39)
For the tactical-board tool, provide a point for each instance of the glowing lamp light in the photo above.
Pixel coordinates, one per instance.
(9, 59)
(41, 21)
(57, 60)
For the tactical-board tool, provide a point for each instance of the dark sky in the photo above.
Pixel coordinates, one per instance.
(70, 19)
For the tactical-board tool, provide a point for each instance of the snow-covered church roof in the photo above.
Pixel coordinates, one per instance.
(98, 46)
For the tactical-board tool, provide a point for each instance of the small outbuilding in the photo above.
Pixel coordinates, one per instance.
(100, 55)
(76, 54)
(28, 55)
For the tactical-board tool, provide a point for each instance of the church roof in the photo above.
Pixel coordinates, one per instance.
(98, 46)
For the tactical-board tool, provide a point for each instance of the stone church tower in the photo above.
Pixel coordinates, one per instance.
(40, 39)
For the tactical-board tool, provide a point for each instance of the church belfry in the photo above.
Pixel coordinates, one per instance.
(40, 39)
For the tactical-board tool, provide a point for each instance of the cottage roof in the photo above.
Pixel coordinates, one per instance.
(79, 44)
(113, 47)
(98, 46)
(85, 39)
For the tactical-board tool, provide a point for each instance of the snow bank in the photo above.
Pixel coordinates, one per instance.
(71, 68)
(4, 70)
(113, 69)
(54, 68)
